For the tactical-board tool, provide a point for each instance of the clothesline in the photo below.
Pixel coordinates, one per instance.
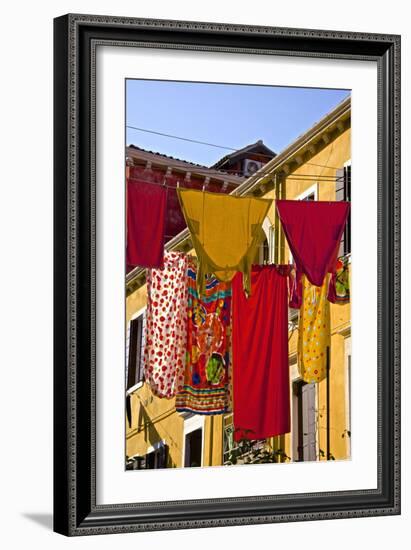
(317, 179)
(261, 172)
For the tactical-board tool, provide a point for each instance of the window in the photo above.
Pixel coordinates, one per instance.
(304, 428)
(193, 448)
(135, 350)
(193, 440)
(155, 459)
(310, 197)
(343, 193)
(265, 251)
(310, 194)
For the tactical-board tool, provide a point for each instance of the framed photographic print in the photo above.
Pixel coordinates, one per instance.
(227, 275)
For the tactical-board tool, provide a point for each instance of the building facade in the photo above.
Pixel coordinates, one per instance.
(317, 166)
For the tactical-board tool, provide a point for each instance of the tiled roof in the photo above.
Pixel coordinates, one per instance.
(161, 155)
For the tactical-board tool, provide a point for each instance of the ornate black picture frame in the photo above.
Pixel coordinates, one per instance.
(76, 38)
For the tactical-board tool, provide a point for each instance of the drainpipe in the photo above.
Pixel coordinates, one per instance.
(211, 440)
(328, 400)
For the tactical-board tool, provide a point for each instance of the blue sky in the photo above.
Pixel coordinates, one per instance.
(224, 114)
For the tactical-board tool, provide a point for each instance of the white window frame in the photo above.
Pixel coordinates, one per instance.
(140, 384)
(155, 446)
(192, 422)
(307, 192)
(269, 233)
(150, 449)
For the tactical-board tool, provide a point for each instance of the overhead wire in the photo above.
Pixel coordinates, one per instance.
(179, 137)
(209, 144)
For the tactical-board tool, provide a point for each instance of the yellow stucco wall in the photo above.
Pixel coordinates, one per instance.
(155, 419)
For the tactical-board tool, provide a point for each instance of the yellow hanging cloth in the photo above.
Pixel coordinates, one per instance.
(226, 232)
(314, 331)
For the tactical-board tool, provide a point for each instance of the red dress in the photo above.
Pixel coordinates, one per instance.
(260, 354)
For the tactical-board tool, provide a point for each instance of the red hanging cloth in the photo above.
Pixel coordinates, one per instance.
(260, 354)
(146, 213)
(313, 230)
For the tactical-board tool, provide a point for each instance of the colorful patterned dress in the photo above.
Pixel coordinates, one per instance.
(206, 387)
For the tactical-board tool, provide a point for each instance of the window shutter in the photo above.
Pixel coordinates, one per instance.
(141, 344)
(132, 353)
(340, 185)
(162, 456)
(343, 193)
(127, 350)
(128, 410)
(309, 422)
(136, 345)
(340, 196)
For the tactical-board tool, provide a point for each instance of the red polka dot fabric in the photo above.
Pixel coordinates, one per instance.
(166, 325)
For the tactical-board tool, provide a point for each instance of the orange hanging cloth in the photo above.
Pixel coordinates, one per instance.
(226, 232)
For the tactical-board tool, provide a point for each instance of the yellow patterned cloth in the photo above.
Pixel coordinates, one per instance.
(314, 331)
(226, 232)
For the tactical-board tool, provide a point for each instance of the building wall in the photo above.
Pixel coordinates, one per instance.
(334, 155)
(154, 419)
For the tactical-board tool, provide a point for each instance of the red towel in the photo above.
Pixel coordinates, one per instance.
(313, 230)
(260, 354)
(146, 213)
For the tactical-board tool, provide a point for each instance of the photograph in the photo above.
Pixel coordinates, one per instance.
(227, 274)
(237, 274)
